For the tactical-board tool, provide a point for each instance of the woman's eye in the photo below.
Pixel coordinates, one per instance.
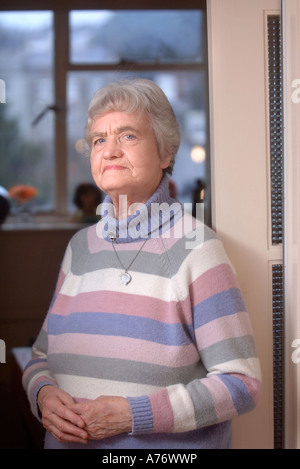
(129, 137)
(98, 141)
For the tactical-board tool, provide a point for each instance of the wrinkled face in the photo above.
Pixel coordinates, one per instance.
(124, 156)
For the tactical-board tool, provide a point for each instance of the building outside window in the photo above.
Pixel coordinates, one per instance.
(52, 67)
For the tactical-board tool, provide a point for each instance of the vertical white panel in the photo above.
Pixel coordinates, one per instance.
(291, 64)
(240, 172)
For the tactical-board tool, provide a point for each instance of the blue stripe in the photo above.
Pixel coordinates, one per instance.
(142, 418)
(121, 325)
(221, 304)
(241, 398)
(34, 361)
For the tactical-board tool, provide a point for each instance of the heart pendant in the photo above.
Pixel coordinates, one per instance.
(125, 278)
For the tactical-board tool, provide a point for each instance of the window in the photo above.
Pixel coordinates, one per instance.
(148, 36)
(93, 47)
(26, 139)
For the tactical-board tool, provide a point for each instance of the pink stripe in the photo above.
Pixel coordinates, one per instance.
(60, 281)
(227, 327)
(34, 367)
(215, 280)
(26, 372)
(106, 302)
(252, 384)
(124, 348)
(223, 404)
(170, 237)
(163, 419)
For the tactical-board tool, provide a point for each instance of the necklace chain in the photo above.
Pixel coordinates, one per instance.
(125, 277)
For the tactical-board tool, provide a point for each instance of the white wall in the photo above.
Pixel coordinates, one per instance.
(240, 172)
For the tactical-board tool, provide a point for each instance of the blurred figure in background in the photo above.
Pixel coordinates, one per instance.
(87, 197)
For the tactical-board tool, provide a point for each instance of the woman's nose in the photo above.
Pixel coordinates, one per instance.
(112, 150)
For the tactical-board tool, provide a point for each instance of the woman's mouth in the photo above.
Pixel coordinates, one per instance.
(113, 167)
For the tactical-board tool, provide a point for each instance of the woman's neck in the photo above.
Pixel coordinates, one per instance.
(126, 205)
(142, 222)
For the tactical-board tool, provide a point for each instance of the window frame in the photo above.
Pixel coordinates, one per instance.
(63, 65)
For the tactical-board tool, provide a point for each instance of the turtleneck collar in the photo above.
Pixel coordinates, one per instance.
(152, 219)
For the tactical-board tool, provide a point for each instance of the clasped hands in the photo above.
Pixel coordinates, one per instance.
(96, 419)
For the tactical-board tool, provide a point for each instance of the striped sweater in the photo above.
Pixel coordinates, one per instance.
(176, 341)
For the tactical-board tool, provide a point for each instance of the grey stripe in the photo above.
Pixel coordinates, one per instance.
(43, 367)
(145, 262)
(124, 370)
(204, 408)
(149, 263)
(230, 349)
(41, 342)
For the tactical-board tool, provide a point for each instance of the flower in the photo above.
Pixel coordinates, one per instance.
(22, 194)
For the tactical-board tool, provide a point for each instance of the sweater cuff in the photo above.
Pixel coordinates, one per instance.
(34, 405)
(141, 411)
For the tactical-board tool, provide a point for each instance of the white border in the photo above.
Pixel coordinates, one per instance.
(291, 71)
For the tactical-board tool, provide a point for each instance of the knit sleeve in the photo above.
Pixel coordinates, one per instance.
(226, 347)
(36, 373)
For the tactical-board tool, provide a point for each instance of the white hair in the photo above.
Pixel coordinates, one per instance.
(142, 96)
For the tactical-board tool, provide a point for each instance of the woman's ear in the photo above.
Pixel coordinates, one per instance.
(165, 162)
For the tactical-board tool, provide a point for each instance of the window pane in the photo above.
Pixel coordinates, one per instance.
(26, 147)
(136, 36)
(186, 92)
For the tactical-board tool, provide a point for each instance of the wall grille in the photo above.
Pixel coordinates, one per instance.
(276, 175)
(278, 355)
(276, 126)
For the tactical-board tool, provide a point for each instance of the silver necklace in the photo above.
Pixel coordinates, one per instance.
(125, 276)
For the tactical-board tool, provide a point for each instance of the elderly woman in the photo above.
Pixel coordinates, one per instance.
(147, 343)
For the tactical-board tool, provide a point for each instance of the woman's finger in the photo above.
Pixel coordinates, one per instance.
(63, 430)
(54, 401)
(65, 437)
(69, 415)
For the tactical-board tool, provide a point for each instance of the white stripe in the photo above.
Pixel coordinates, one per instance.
(109, 279)
(199, 261)
(195, 264)
(91, 388)
(67, 259)
(183, 408)
(37, 375)
(210, 255)
(247, 366)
